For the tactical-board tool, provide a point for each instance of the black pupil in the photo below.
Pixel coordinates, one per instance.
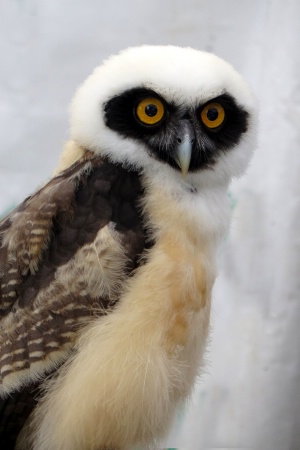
(212, 114)
(151, 110)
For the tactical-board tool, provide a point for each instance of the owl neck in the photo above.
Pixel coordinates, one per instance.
(199, 217)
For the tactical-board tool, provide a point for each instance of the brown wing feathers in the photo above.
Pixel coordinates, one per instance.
(14, 410)
(64, 256)
(26, 232)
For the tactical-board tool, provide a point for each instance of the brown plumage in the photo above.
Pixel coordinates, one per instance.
(64, 254)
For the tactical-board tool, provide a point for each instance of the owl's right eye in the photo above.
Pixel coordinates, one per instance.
(150, 111)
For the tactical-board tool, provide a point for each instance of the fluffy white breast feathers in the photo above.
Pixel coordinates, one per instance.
(106, 272)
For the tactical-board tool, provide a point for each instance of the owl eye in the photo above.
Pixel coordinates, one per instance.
(150, 111)
(213, 115)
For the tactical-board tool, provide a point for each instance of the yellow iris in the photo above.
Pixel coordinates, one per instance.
(213, 115)
(150, 111)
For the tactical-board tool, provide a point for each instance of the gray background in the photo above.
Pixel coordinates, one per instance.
(249, 395)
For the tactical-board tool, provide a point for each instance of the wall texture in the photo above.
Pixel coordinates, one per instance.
(249, 396)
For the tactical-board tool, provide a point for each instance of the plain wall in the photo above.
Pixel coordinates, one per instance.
(249, 395)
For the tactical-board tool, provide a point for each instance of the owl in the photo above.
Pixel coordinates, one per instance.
(106, 271)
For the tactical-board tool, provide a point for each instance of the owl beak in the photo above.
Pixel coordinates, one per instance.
(185, 139)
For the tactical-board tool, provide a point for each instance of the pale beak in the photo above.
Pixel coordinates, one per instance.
(185, 139)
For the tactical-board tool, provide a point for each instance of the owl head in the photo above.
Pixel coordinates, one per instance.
(179, 113)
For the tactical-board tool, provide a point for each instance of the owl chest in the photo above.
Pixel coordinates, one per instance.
(178, 280)
(188, 302)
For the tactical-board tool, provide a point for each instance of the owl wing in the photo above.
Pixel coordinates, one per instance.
(65, 254)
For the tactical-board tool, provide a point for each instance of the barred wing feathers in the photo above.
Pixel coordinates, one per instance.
(65, 254)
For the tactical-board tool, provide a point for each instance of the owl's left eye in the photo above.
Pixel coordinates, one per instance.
(150, 111)
(213, 115)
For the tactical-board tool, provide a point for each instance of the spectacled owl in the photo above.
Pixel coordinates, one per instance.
(106, 271)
